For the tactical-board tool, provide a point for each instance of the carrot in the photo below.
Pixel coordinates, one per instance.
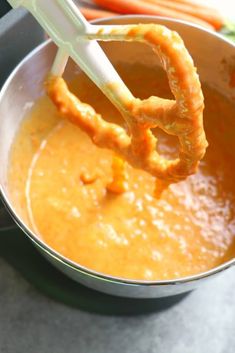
(141, 7)
(193, 3)
(211, 16)
(92, 14)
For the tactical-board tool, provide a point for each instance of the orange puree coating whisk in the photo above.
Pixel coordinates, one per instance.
(182, 117)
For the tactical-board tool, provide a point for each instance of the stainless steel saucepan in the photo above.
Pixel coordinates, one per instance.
(214, 57)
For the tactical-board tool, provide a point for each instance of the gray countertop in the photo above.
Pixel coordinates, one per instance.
(203, 322)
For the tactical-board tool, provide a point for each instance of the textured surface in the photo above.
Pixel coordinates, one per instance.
(169, 238)
(29, 322)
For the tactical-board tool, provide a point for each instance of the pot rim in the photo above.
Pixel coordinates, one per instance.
(56, 255)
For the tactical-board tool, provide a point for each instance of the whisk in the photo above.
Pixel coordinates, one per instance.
(76, 38)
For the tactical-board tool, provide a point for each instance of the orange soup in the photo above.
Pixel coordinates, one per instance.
(58, 178)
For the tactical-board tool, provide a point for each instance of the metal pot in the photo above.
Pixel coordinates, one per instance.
(213, 55)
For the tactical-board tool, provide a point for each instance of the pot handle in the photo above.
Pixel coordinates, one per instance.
(6, 222)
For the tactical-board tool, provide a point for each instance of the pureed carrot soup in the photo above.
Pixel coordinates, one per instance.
(58, 179)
